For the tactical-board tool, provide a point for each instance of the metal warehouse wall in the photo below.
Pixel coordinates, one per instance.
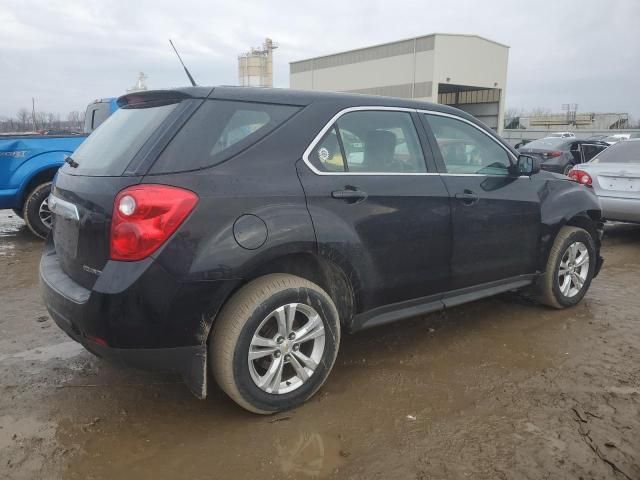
(400, 69)
(418, 68)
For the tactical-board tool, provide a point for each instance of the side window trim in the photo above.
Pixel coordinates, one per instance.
(437, 158)
(333, 121)
(341, 145)
(425, 144)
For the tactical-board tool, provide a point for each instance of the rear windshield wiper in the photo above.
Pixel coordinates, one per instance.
(72, 163)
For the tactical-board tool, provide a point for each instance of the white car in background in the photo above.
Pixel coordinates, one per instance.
(561, 135)
(614, 175)
(619, 137)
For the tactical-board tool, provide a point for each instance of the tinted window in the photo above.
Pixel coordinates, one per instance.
(467, 150)
(548, 143)
(622, 152)
(110, 148)
(327, 155)
(219, 130)
(373, 142)
(590, 150)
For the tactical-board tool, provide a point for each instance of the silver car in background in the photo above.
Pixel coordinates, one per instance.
(614, 175)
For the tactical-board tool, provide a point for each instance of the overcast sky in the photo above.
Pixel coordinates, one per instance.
(66, 53)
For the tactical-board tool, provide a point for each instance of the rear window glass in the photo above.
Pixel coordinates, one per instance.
(111, 147)
(548, 143)
(622, 152)
(219, 130)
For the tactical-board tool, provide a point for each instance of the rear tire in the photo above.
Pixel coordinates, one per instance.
(274, 343)
(569, 270)
(36, 213)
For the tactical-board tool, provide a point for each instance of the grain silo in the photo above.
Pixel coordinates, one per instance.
(255, 67)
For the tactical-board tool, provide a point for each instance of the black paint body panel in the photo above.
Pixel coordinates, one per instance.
(403, 250)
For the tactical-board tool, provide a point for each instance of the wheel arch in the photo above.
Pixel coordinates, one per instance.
(589, 220)
(324, 272)
(38, 178)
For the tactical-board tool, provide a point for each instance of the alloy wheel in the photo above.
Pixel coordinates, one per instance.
(286, 348)
(45, 213)
(573, 270)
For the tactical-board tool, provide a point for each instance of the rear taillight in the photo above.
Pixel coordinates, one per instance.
(580, 176)
(552, 154)
(145, 216)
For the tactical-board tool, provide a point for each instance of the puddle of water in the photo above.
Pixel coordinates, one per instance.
(10, 224)
(389, 386)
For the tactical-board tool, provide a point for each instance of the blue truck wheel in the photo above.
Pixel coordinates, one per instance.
(37, 215)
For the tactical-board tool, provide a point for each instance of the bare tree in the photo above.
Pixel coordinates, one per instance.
(53, 120)
(23, 119)
(539, 112)
(41, 121)
(75, 120)
(512, 117)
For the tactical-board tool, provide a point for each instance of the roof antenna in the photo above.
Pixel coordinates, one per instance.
(193, 82)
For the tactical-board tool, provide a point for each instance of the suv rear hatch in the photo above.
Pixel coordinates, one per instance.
(112, 158)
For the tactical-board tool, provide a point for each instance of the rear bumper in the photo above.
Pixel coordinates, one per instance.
(143, 326)
(620, 209)
(189, 362)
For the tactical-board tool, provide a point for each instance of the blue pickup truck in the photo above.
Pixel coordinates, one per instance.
(28, 164)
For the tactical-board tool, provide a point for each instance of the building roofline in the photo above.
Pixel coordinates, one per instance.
(400, 41)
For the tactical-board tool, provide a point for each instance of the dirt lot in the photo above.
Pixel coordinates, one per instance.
(497, 389)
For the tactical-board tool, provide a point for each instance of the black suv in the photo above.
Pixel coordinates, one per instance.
(240, 231)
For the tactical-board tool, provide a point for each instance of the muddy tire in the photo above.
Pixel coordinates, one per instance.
(36, 212)
(569, 270)
(274, 343)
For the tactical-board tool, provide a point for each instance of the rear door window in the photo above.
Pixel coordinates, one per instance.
(370, 142)
(110, 148)
(327, 154)
(219, 130)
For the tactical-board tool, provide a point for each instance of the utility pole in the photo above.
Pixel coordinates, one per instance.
(33, 114)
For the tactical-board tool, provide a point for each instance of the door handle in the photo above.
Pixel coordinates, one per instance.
(349, 194)
(468, 197)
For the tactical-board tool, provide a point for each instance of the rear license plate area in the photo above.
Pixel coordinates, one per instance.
(621, 184)
(65, 236)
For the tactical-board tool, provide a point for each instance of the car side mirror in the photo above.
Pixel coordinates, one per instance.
(527, 165)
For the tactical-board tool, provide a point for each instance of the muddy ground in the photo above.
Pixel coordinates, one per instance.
(497, 389)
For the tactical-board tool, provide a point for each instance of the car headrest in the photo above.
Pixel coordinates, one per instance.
(379, 148)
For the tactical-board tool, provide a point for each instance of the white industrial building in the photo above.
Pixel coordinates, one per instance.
(255, 67)
(465, 71)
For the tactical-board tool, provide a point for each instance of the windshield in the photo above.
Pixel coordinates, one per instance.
(549, 143)
(621, 152)
(615, 138)
(111, 147)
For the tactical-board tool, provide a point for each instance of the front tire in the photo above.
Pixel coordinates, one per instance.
(570, 268)
(274, 343)
(36, 213)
